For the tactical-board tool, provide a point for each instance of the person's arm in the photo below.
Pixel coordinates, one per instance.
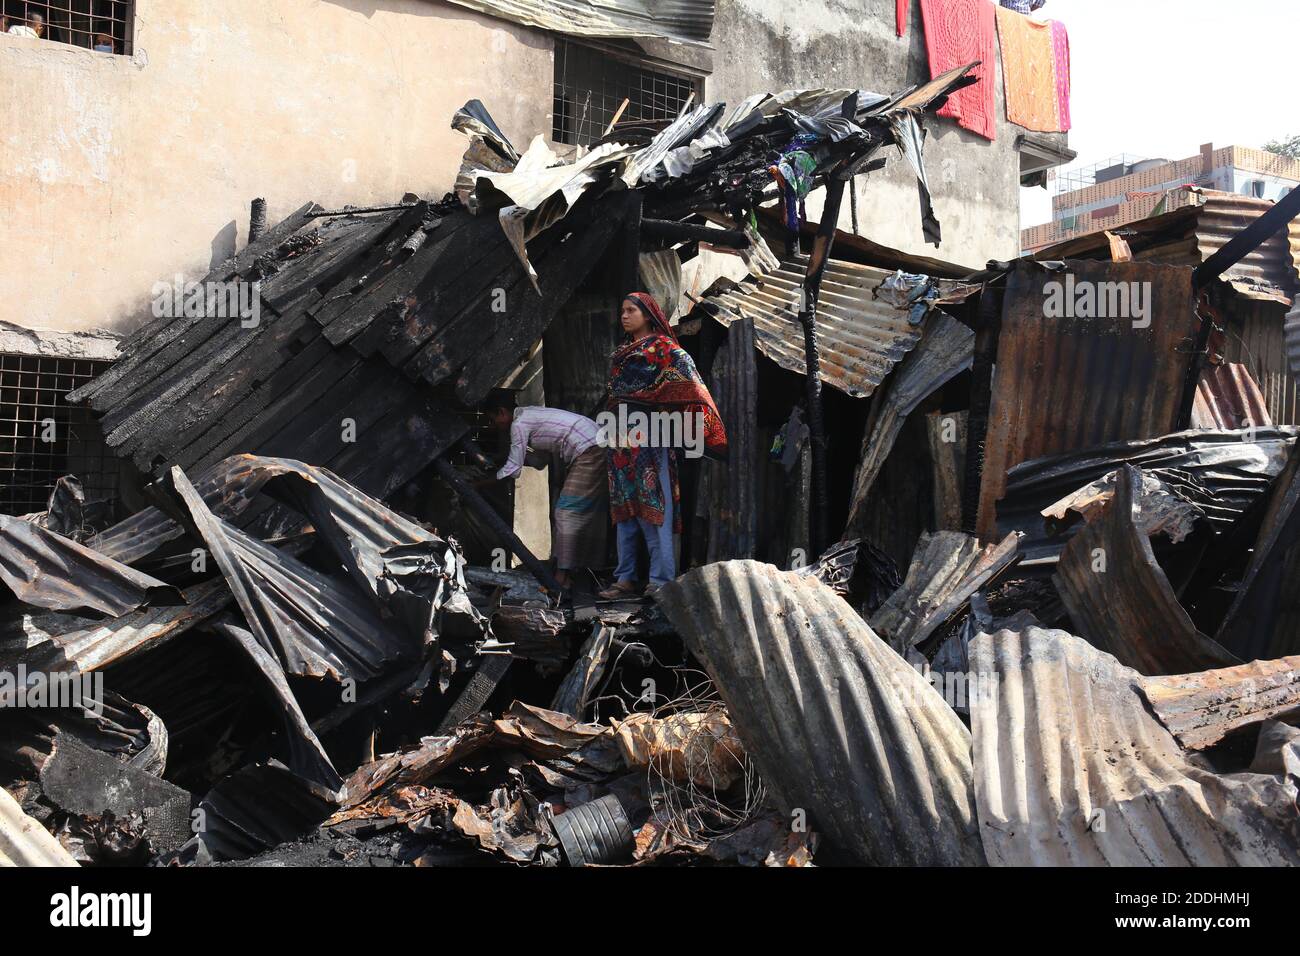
(518, 449)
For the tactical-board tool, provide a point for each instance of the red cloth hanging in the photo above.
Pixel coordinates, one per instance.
(958, 32)
(900, 15)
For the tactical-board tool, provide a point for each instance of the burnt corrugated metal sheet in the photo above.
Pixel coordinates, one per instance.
(1071, 769)
(733, 484)
(1227, 396)
(947, 348)
(1264, 619)
(838, 723)
(1119, 598)
(192, 390)
(1291, 332)
(58, 642)
(1063, 382)
(1204, 708)
(51, 571)
(1222, 472)
(1190, 235)
(861, 336)
(683, 20)
(24, 842)
(947, 568)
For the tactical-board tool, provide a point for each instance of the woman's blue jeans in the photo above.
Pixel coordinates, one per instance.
(658, 537)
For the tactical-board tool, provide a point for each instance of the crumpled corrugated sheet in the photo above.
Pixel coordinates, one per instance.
(843, 731)
(1071, 769)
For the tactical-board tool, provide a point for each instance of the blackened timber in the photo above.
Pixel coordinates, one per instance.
(675, 232)
(207, 434)
(347, 311)
(108, 388)
(491, 670)
(230, 383)
(487, 514)
(462, 266)
(817, 260)
(977, 423)
(516, 330)
(343, 259)
(306, 386)
(464, 338)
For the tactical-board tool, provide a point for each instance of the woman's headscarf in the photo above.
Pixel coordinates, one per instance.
(650, 308)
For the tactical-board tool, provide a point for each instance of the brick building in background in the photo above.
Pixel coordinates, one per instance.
(1124, 189)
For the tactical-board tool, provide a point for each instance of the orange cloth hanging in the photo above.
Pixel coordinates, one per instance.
(1029, 72)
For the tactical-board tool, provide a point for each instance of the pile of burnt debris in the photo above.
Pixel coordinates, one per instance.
(1052, 510)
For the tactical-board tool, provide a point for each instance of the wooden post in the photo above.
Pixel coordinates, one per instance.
(487, 514)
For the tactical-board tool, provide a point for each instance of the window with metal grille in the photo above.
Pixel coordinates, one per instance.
(43, 438)
(104, 25)
(591, 84)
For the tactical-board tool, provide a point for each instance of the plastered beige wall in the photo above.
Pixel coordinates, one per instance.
(116, 172)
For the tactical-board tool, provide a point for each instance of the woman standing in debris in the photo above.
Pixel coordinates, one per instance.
(657, 405)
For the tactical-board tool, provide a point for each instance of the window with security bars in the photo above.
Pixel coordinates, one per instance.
(103, 25)
(43, 437)
(590, 85)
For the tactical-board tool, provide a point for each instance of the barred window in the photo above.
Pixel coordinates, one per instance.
(104, 25)
(591, 84)
(43, 438)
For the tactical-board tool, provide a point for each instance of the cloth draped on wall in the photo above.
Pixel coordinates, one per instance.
(1023, 6)
(900, 15)
(1061, 53)
(1036, 84)
(655, 374)
(958, 32)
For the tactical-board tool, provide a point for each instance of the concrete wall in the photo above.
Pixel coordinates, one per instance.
(118, 171)
(975, 184)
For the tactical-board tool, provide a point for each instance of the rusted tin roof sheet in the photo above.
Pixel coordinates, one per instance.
(1161, 509)
(1069, 381)
(1291, 327)
(1227, 396)
(1072, 769)
(1190, 235)
(1120, 599)
(683, 20)
(1204, 708)
(861, 336)
(837, 722)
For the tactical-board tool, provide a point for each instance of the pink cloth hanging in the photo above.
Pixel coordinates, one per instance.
(958, 32)
(900, 15)
(1061, 51)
